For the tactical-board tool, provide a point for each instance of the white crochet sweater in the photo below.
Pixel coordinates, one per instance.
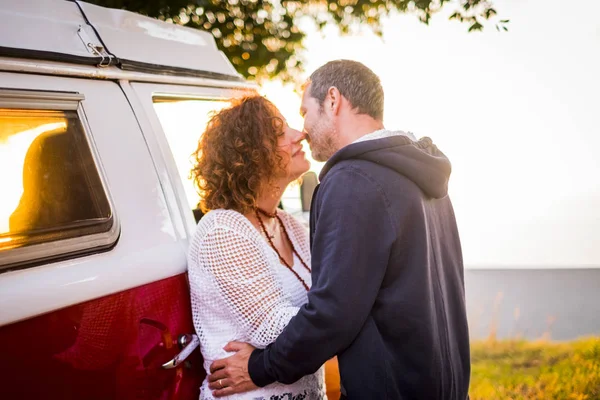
(240, 291)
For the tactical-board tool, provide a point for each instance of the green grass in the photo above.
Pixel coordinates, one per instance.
(518, 369)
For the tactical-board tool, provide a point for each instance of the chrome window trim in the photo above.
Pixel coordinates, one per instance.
(39, 100)
(186, 96)
(75, 246)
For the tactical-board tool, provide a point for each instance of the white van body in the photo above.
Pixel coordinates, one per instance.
(99, 112)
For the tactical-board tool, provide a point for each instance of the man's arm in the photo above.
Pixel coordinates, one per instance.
(351, 248)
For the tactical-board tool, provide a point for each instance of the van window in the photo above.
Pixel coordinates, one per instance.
(183, 122)
(51, 188)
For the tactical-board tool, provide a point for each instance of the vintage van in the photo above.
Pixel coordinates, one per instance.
(99, 112)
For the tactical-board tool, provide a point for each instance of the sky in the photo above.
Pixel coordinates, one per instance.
(517, 113)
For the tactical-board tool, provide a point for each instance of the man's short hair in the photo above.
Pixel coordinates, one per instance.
(357, 83)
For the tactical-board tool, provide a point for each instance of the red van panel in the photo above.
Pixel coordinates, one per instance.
(109, 348)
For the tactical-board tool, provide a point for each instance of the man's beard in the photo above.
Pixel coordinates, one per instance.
(322, 142)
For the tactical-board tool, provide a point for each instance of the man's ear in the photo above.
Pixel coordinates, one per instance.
(333, 100)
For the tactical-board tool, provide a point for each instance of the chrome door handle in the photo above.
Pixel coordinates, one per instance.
(188, 344)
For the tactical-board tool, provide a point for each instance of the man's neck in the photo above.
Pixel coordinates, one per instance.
(357, 128)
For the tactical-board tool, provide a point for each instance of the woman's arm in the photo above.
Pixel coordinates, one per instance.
(246, 284)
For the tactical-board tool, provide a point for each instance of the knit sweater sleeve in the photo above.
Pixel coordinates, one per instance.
(239, 268)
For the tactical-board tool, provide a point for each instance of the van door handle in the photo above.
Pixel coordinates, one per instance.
(188, 343)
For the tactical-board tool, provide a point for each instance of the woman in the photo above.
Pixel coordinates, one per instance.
(249, 263)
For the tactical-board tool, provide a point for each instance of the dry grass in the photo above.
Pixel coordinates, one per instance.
(539, 370)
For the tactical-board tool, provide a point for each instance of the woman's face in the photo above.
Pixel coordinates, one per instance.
(289, 147)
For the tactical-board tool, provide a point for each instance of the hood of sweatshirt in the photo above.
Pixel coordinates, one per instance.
(420, 161)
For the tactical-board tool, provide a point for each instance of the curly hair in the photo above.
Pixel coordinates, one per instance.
(237, 154)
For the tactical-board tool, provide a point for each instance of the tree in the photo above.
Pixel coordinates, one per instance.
(261, 39)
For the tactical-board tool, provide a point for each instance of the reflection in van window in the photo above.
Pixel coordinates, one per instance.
(183, 121)
(50, 186)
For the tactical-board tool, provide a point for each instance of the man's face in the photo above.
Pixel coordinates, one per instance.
(318, 126)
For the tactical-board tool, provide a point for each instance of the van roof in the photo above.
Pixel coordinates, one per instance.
(82, 33)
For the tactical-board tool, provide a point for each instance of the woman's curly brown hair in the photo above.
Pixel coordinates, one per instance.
(237, 154)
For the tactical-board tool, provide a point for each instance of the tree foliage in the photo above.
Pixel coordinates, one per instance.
(261, 37)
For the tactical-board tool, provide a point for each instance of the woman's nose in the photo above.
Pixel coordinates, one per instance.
(298, 136)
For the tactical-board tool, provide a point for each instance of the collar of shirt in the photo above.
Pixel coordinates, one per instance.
(384, 133)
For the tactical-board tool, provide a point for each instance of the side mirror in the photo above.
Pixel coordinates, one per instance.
(307, 188)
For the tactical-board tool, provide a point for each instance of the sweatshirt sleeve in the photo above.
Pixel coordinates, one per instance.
(352, 241)
(247, 285)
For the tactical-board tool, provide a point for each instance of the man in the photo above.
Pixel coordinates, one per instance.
(387, 292)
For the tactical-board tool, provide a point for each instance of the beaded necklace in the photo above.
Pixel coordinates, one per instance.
(269, 239)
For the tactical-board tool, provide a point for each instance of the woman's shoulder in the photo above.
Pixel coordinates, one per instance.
(222, 219)
(292, 220)
(298, 226)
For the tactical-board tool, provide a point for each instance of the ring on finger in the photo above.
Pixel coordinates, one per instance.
(221, 383)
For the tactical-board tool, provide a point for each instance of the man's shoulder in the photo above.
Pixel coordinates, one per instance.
(353, 172)
(372, 173)
(351, 181)
(350, 167)
(374, 180)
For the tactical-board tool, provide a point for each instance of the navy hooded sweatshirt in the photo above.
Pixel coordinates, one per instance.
(387, 292)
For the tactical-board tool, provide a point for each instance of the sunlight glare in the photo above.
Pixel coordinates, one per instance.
(12, 156)
(184, 122)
